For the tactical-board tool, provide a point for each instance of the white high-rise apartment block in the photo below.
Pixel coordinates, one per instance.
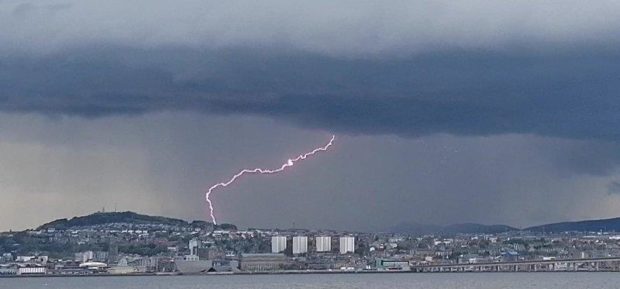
(323, 244)
(347, 245)
(278, 244)
(300, 244)
(193, 247)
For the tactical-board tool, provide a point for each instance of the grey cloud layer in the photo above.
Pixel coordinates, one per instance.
(403, 67)
(564, 93)
(343, 28)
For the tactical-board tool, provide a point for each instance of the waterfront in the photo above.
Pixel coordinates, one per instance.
(121, 243)
(346, 281)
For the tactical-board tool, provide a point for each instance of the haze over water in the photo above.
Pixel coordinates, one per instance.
(345, 281)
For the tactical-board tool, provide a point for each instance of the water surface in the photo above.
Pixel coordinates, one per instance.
(558, 280)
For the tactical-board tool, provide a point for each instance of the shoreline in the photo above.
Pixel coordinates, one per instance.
(314, 272)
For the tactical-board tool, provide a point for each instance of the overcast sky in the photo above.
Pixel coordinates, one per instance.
(444, 112)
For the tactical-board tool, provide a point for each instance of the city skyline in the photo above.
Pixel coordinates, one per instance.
(493, 113)
(127, 243)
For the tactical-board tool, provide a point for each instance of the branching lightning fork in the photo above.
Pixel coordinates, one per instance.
(288, 163)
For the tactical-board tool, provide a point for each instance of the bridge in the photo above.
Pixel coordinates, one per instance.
(591, 264)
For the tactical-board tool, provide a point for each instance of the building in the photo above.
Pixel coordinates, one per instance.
(211, 253)
(300, 245)
(278, 244)
(226, 266)
(8, 269)
(113, 253)
(124, 267)
(84, 256)
(6, 257)
(193, 247)
(31, 270)
(262, 262)
(392, 265)
(24, 259)
(347, 244)
(101, 256)
(323, 243)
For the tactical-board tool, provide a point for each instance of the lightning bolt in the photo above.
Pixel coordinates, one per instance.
(288, 163)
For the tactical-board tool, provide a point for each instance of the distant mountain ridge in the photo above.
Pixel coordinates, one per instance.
(465, 228)
(605, 225)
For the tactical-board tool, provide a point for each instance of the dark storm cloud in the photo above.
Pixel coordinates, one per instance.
(563, 93)
(508, 111)
(400, 67)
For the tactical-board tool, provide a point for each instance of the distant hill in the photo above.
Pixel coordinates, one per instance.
(465, 228)
(606, 225)
(100, 218)
(112, 217)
